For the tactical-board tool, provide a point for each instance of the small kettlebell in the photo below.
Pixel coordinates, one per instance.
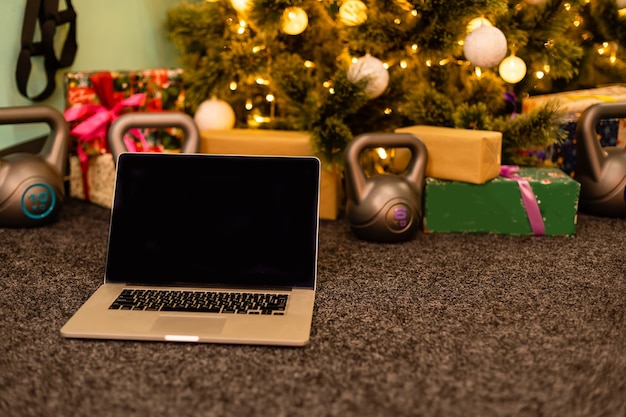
(600, 171)
(125, 122)
(385, 207)
(31, 185)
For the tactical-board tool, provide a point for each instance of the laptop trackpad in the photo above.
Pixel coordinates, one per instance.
(187, 325)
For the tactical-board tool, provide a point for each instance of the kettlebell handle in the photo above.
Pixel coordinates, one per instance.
(586, 137)
(54, 150)
(414, 172)
(153, 120)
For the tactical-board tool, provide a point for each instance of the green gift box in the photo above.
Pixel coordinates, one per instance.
(499, 206)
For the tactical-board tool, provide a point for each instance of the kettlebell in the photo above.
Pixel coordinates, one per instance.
(600, 171)
(385, 207)
(125, 122)
(31, 185)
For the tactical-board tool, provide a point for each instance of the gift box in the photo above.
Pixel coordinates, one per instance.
(276, 142)
(611, 132)
(94, 99)
(472, 156)
(96, 183)
(530, 201)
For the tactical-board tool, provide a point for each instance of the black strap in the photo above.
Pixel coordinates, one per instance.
(49, 17)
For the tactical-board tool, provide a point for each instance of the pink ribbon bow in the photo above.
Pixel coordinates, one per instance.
(98, 119)
(528, 198)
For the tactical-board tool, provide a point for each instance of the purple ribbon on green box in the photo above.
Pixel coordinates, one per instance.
(528, 199)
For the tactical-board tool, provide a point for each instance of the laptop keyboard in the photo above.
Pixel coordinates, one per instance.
(201, 301)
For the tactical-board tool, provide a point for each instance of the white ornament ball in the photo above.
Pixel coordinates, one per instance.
(485, 47)
(373, 70)
(353, 13)
(214, 114)
(512, 69)
(294, 20)
(621, 4)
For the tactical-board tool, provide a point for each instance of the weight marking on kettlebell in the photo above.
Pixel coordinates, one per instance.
(399, 217)
(41, 203)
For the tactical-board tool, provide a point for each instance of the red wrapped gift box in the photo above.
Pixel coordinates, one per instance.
(94, 99)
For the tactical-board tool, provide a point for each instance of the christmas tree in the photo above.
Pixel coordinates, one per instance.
(338, 68)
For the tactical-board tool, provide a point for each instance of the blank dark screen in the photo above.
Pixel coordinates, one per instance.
(214, 220)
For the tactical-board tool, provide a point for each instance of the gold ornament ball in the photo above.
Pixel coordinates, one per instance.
(485, 47)
(353, 13)
(512, 69)
(294, 20)
(214, 114)
(373, 70)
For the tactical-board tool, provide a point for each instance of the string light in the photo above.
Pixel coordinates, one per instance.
(242, 27)
(241, 6)
(476, 23)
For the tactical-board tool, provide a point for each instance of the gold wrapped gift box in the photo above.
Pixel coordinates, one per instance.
(276, 142)
(472, 156)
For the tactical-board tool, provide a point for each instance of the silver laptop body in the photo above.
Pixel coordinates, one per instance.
(213, 227)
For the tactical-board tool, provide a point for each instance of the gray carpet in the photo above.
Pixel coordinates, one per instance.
(445, 325)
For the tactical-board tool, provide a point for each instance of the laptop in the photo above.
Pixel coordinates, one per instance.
(208, 249)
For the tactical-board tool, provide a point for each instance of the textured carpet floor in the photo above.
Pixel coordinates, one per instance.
(445, 325)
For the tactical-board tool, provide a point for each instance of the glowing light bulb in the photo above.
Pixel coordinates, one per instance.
(476, 23)
(240, 5)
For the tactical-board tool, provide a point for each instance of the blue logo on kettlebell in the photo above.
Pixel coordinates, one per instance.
(38, 201)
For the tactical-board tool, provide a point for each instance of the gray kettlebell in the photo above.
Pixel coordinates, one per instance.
(31, 185)
(600, 171)
(139, 120)
(385, 207)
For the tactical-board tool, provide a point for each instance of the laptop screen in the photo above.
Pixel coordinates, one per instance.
(215, 220)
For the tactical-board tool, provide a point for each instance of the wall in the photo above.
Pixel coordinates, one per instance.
(111, 34)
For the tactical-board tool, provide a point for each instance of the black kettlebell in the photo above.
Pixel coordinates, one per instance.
(31, 185)
(385, 207)
(600, 171)
(124, 123)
